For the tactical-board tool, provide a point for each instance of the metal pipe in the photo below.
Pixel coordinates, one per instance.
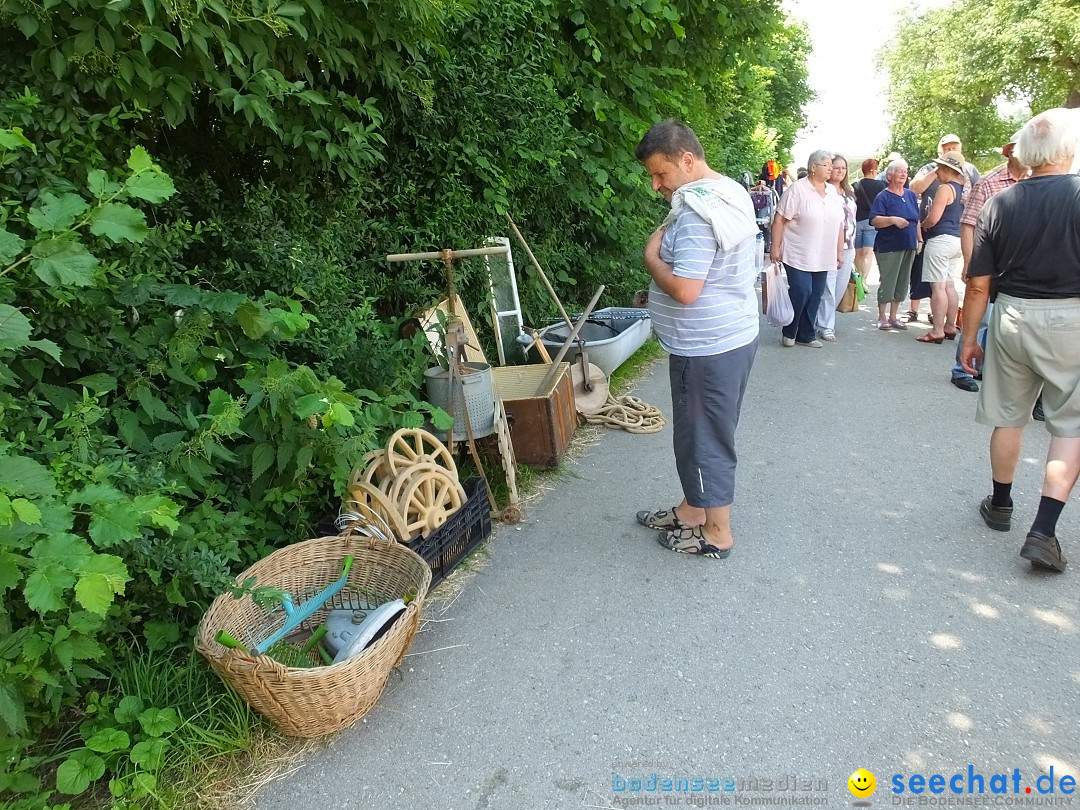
(540, 270)
(454, 254)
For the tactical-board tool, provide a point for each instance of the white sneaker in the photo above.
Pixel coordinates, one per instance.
(787, 342)
(813, 344)
(827, 334)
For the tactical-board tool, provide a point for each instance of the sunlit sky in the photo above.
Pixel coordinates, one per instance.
(849, 114)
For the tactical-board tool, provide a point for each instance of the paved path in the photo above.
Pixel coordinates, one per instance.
(867, 618)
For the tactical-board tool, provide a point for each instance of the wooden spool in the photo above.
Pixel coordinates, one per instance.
(425, 495)
(412, 445)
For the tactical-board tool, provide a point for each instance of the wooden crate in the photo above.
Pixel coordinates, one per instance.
(541, 423)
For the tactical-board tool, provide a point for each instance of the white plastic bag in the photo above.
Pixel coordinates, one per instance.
(778, 309)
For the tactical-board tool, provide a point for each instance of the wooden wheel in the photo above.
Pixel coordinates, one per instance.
(426, 496)
(363, 494)
(374, 469)
(411, 445)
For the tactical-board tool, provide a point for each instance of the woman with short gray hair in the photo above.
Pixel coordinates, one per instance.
(895, 214)
(808, 238)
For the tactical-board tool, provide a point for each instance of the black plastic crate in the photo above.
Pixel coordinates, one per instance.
(467, 528)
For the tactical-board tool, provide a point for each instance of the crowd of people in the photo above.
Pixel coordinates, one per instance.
(1013, 237)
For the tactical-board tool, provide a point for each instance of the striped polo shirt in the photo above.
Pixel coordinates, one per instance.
(724, 317)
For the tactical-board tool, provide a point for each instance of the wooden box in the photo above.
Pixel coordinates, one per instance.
(541, 423)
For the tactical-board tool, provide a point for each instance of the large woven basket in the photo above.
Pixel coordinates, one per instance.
(321, 700)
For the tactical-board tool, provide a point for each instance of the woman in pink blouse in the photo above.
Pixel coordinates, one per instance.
(808, 238)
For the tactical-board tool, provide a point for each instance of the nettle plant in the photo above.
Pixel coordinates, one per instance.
(153, 440)
(61, 512)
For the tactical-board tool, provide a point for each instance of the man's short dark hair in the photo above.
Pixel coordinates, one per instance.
(671, 139)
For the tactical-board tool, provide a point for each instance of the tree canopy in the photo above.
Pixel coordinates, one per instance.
(979, 68)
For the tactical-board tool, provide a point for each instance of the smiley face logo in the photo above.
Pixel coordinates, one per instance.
(861, 783)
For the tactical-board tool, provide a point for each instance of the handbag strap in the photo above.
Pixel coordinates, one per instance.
(865, 196)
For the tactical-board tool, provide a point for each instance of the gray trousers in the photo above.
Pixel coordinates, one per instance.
(706, 398)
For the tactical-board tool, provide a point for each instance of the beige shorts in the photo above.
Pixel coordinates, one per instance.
(942, 259)
(1033, 345)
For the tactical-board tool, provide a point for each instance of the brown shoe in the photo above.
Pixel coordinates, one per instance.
(1043, 551)
(998, 518)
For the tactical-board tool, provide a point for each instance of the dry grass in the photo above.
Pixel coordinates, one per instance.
(232, 782)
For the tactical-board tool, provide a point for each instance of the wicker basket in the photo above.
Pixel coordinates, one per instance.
(321, 700)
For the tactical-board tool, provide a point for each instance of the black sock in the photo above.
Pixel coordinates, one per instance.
(1002, 494)
(1047, 517)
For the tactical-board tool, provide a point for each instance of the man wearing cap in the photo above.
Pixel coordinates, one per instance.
(1027, 256)
(925, 180)
(925, 183)
(1008, 174)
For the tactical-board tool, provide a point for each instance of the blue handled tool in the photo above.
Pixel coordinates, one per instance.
(294, 615)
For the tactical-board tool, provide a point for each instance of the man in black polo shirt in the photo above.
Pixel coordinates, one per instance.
(1027, 259)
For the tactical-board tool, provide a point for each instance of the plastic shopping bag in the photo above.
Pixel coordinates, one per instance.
(778, 310)
(860, 289)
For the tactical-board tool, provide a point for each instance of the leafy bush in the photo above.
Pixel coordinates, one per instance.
(152, 441)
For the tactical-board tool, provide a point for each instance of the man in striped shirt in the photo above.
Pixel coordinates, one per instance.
(704, 312)
(1001, 178)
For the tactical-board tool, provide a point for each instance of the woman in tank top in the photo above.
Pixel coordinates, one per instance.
(942, 258)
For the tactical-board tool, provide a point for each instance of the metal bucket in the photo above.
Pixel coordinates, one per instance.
(475, 390)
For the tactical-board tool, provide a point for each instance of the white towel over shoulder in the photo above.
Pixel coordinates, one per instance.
(722, 203)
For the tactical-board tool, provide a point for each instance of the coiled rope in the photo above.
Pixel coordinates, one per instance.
(628, 413)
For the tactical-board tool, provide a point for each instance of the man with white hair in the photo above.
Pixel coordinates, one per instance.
(1026, 258)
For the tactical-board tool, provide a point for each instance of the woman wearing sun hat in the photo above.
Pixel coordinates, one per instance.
(942, 256)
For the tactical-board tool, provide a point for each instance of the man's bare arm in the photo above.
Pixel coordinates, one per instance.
(976, 297)
(967, 242)
(683, 290)
(921, 184)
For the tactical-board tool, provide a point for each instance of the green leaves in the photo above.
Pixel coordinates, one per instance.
(12, 711)
(14, 139)
(161, 635)
(24, 476)
(113, 523)
(14, 328)
(77, 773)
(159, 722)
(128, 709)
(108, 740)
(119, 223)
(45, 587)
(152, 186)
(139, 160)
(149, 754)
(56, 212)
(63, 261)
(101, 578)
(11, 246)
